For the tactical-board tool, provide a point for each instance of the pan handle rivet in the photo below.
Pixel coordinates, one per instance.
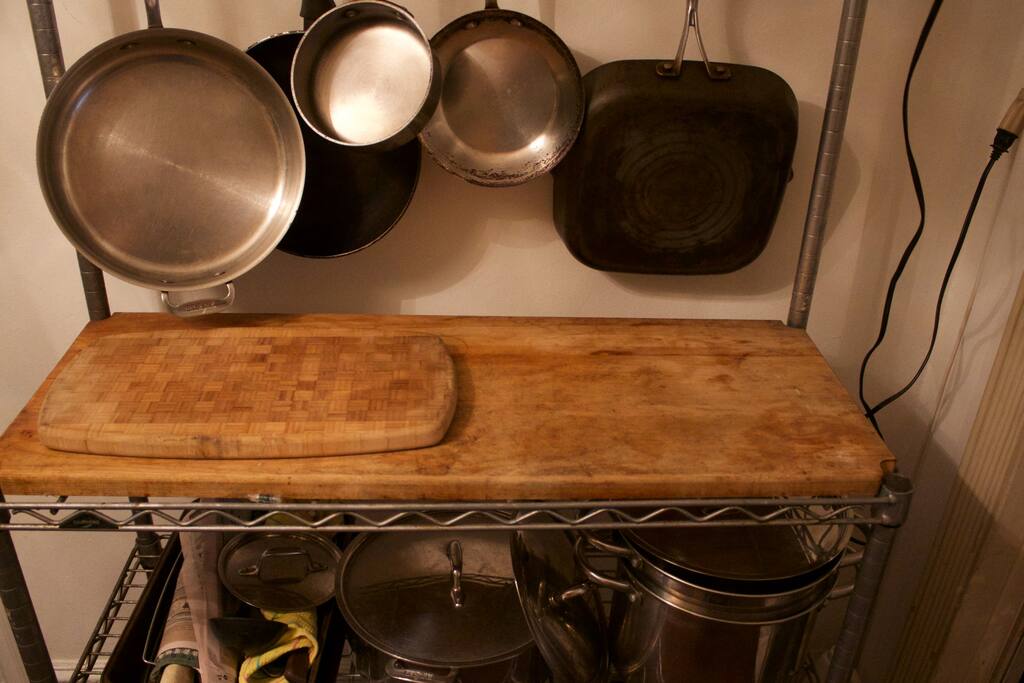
(471, 24)
(190, 43)
(516, 22)
(350, 13)
(129, 46)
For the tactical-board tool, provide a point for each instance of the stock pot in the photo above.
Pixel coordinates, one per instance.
(728, 604)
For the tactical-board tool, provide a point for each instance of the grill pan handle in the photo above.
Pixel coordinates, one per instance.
(716, 72)
(153, 14)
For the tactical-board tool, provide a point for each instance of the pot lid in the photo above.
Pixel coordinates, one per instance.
(285, 572)
(568, 630)
(745, 553)
(443, 599)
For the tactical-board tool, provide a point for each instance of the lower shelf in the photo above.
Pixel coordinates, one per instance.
(135, 575)
(130, 582)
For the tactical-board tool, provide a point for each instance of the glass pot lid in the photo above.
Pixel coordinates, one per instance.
(744, 553)
(567, 627)
(443, 599)
(285, 572)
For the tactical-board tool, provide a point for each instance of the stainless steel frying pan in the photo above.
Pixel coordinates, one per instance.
(171, 160)
(512, 99)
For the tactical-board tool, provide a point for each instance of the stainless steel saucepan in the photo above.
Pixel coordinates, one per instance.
(171, 160)
(364, 76)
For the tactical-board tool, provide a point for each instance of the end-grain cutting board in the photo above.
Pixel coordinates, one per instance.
(251, 393)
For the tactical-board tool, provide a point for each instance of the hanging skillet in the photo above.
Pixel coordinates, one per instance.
(512, 100)
(352, 197)
(171, 160)
(680, 167)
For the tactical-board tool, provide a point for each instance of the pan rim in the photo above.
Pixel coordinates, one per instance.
(90, 66)
(425, 110)
(579, 100)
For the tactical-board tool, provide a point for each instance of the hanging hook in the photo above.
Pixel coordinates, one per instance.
(716, 72)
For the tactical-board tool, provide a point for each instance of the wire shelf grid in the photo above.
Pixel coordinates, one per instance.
(127, 589)
(420, 516)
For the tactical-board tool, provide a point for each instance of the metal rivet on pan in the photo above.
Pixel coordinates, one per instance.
(516, 22)
(129, 46)
(471, 24)
(190, 43)
(350, 13)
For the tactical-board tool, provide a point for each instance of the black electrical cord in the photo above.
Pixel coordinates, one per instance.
(871, 412)
(1006, 134)
(915, 177)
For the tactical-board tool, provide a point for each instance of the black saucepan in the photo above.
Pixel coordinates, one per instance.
(353, 197)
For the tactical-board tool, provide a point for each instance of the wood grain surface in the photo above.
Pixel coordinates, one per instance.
(548, 408)
(250, 393)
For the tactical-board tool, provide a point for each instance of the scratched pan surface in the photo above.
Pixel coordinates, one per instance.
(676, 175)
(512, 100)
(170, 159)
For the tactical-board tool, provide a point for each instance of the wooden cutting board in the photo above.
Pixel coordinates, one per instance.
(257, 392)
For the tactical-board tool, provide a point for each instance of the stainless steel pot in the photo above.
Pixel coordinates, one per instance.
(365, 76)
(668, 624)
(373, 666)
(170, 159)
(437, 599)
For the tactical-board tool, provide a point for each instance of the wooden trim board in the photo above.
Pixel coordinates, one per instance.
(548, 408)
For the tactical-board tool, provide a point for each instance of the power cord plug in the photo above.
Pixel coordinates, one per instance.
(1010, 128)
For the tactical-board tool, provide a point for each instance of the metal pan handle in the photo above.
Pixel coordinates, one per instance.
(312, 10)
(153, 14)
(191, 308)
(400, 671)
(673, 69)
(592, 574)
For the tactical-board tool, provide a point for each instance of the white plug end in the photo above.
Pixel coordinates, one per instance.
(1013, 122)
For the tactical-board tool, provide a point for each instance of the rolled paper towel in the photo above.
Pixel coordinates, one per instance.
(178, 642)
(301, 634)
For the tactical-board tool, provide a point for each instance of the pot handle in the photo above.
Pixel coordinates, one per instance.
(716, 72)
(491, 4)
(851, 558)
(398, 670)
(278, 566)
(593, 575)
(188, 309)
(312, 10)
(153, 14)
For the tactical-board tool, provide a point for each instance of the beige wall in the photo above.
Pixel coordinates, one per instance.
(464, 249)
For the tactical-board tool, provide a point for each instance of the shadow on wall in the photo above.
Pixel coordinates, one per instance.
(440, 240)
(917, 644)
(450, 223)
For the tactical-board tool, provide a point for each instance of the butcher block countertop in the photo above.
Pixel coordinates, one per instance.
(548, 409)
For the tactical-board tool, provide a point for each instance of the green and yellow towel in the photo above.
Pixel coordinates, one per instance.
(301, 634)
